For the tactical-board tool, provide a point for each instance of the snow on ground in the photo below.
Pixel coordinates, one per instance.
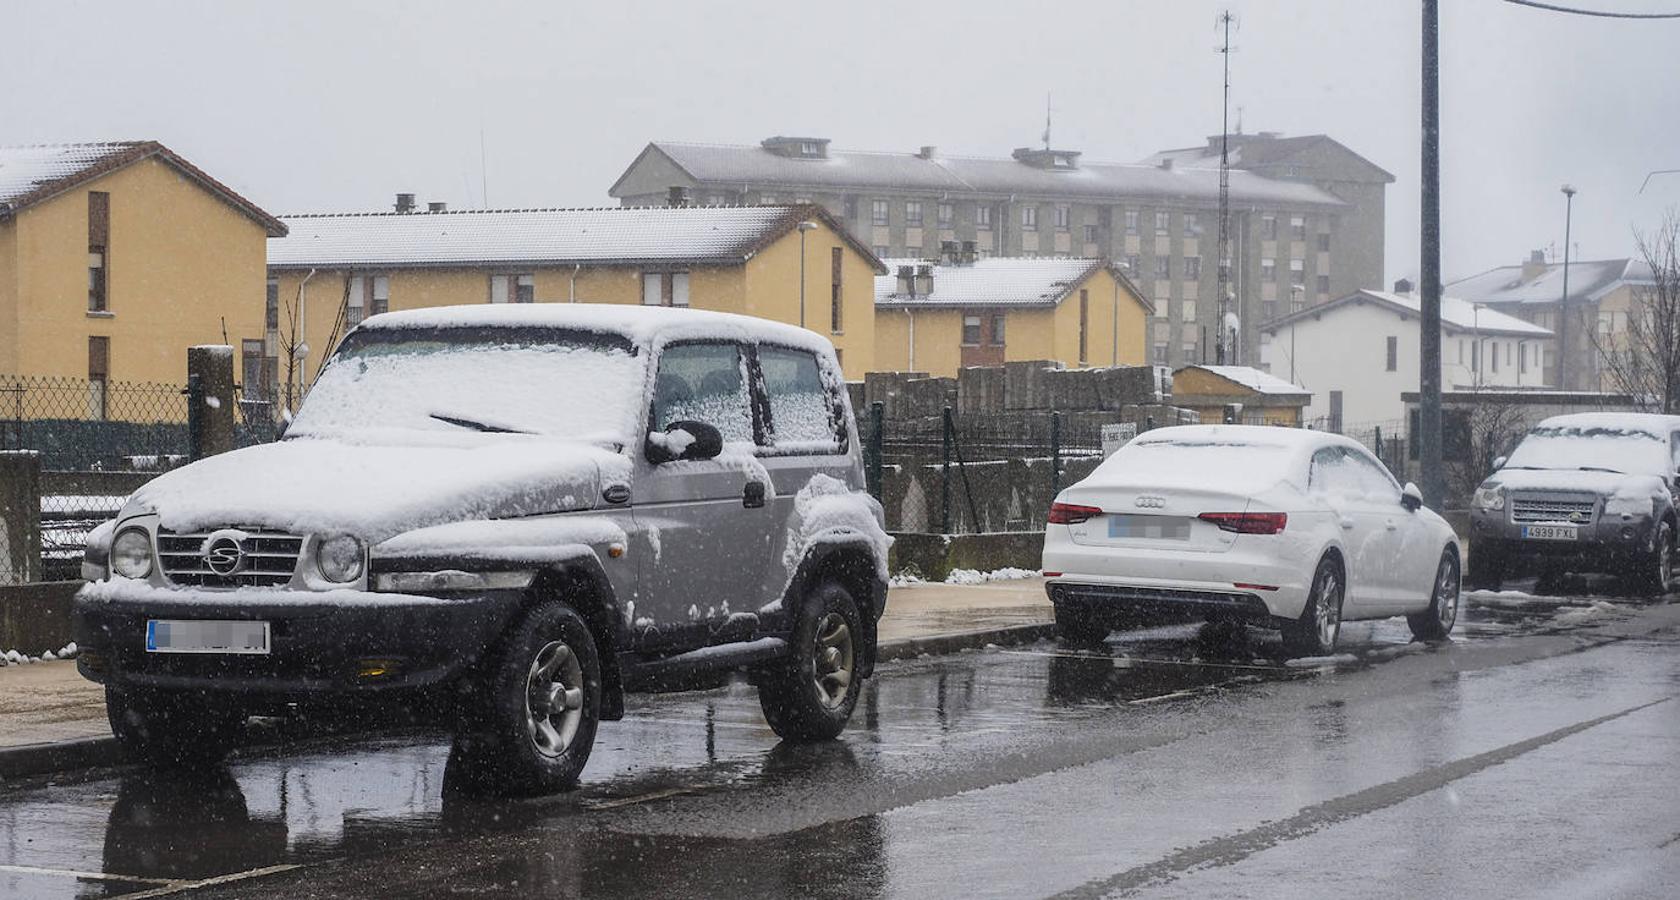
(1313, 662)
(1502, 599)
(1576, 615)
(15, 658)
(965, 576)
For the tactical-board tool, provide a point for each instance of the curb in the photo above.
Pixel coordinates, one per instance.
(29, 760)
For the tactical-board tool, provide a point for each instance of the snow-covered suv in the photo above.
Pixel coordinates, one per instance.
(523, 510)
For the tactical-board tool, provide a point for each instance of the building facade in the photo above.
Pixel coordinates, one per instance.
(1253, 397)
(335, 270)
(1306, 215)
(938, 317)
(1360, 353)
(117, 257)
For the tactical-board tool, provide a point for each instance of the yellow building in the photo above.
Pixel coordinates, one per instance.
(333, 270)
(116, 257)
(937, 317)
(1265, 399)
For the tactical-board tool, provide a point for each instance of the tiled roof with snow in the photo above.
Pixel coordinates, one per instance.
(991, 281)
(714, 235)
(1256, 380)
(733, 165)
(1589, 280)
(1457, 314)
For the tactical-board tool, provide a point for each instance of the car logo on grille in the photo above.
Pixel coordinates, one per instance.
(1151, 502)
(223, 554)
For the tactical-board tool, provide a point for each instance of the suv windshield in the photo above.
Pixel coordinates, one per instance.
(1627, 450)
(574, 384)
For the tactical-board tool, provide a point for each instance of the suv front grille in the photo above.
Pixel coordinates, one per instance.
(270, 558)
(1551, 509)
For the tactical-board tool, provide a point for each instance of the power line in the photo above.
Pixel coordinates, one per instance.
(1574, 11)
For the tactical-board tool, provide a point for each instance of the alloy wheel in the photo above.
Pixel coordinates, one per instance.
(1329, 613)
(554, 698)
(834, 659)
(1446, 594)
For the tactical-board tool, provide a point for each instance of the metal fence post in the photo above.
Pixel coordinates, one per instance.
(874, 450)
(1055, 453)
(1377, 441)
(945, 475)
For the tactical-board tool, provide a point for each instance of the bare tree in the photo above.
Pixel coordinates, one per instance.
(1476, 435)
(293, 341)
(1644, 360)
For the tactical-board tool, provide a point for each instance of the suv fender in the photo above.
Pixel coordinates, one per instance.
(582, 583)
(853, 564)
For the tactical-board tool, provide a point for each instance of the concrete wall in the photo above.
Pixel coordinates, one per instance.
(35, 618)
(933, 556)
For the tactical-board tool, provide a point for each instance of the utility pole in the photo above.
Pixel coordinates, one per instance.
(1224, 193)
(1563, 302)
(1429, 269)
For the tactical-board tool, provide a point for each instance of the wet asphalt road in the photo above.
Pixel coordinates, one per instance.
(1532, 756)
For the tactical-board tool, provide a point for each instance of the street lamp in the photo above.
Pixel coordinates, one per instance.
(1563, 304)
(803, 227)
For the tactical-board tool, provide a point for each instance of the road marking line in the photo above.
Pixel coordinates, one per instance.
(88, 876)
(1231, 849)
(599, 805)
(180, 886)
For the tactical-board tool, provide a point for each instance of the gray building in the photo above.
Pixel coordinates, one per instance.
(1306, 222)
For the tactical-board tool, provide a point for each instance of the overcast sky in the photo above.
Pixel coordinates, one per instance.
(336, 106)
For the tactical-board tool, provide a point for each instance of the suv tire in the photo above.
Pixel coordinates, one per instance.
(1080, 625)
(810, 695)
(1436, 622)
(532, 726)
(168, 729)
(1654, 569)
(1314, 633)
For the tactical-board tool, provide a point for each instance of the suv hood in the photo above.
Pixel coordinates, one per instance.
(1604, 484)
(307, 486)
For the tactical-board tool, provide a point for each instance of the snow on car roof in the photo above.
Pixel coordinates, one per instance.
(1257, 435)
(1650, 422)
(642, 324)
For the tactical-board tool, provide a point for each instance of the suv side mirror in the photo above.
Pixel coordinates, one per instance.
(1499, 462)
(1411, 497)
(683, 440)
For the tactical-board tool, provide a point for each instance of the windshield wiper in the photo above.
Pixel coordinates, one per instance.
(476, 425)
(1599, 469)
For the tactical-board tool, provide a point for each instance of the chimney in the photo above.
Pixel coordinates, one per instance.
(676, 196)
(928, 151)
(924, 281)
(437, 206)
(907, 281)
(1403, 287)
(969, 253)
(1536, 265)
(405, 203)
(949, 252)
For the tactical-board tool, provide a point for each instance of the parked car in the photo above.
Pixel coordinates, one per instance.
(1590, 492)
(525, 511)
(1296, 529)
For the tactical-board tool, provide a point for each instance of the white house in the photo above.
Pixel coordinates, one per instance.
(1358, 354)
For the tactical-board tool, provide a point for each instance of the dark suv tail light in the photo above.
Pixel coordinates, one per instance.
(1247, 522)
(1071, 514)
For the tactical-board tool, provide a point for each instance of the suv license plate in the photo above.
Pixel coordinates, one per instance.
(206, 636)
(1549, 532)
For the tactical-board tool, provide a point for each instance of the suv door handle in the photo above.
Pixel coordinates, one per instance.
(753, 496)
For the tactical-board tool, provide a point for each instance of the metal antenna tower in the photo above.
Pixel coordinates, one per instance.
(1221, 350)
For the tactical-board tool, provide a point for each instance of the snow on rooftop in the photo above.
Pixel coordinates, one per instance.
(23, 169)
(991, 281)
(557, 236)
(1465, 315)
(1588, 280)
(1255, 380)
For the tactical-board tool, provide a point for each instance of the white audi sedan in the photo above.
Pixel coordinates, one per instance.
(1296, 529)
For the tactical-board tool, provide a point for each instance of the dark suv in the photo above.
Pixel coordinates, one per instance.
(525, 511)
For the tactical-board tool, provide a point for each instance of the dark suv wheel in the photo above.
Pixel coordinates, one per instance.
(810, 694)
(172, 729)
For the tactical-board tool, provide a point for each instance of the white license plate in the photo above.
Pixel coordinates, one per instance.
(1549, 532)
(206, 636)
(1158, 528)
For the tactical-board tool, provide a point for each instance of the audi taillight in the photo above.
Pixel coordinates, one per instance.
(1247, 522)
(1071, 514)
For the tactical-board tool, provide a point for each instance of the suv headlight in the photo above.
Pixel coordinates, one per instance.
(131, 554)
(1490, 498)
(340, 558)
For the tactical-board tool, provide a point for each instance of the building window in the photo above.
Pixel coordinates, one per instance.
(880, 250)
(1192, 267)
(1393, 353)
(913, 251)
(1084, 325)
(1268, 269)
(1268, 227)
(1163, 223)
(1476, 355)
(1188, 353)
(1324, 284)
(836, 309)
(355, 300)
(1298, 228)
(1324, 242)
(1029, 218)
(1297, 272)
(1064, 215)
(947, 215)
(913, 213)
(381, 299)
(983, 217)
(1131, 221)
(1134, 265)
(971, 331)
(99, 239)
(664, 288)
(767, 199)
(1192, 225)
(1090, 234)
(1160, 355)
(271, 306)
(877, 212)
(1187, 310)
(513, 289)
(1461, 351)
(99, 372)
(1268, 310)
(997, 329)
(1493, 358)
(1163, 268)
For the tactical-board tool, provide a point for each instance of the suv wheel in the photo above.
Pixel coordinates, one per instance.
(1655, 568)
(532, 727)
(170, 729)
(810, 695)
(1436, 622)
(1315, 632)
